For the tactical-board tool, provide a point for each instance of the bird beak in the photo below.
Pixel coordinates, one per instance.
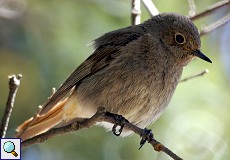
(199, 54)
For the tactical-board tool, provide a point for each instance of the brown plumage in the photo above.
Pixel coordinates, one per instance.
(132, 72)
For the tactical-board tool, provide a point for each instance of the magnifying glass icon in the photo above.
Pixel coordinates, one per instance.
(9, 147)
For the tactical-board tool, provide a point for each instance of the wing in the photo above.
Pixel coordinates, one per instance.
(107, 49)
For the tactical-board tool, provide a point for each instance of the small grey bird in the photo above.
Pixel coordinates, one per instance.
(132, 72)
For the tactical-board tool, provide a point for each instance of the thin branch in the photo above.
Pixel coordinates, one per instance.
(215, 25)
(14, 83)
(211, 9)
(99, 116)
(136, 12)
(196, 75)
(192, 7)
(152, 9)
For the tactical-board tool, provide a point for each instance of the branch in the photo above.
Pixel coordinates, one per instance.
(99, 116)
(192, 7)
(210, 9)
(136, 12)
(196, 75)
(215, 25)
(14, 83)
(152, 9)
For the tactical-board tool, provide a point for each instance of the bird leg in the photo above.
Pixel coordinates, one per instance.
(120, 122)
(146, 135)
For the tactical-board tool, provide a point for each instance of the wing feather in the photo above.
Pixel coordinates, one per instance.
(105, 52)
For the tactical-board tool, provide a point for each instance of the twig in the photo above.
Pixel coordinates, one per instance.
(192, 7)
(152, 9)
(214, 26)
(136, 12)
(211, 9)
(100, 116)
(14, 83)
(196, 75)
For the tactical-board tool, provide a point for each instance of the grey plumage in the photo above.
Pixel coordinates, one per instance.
(133, 72)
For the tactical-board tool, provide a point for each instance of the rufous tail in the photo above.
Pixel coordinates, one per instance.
(40, 124)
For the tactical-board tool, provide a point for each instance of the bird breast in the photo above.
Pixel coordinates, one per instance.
(136, 87)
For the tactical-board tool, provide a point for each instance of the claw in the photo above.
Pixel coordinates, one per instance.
(120, 122)
(114, 129)
(146, 135)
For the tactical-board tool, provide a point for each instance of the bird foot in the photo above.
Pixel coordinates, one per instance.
(120, 122)
(146, 135)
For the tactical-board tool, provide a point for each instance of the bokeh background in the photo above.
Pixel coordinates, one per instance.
(46, 40)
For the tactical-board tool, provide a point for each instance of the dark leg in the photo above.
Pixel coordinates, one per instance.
(146, 135)
(120, 121)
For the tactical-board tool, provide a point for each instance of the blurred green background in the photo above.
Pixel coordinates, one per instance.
(46, 40)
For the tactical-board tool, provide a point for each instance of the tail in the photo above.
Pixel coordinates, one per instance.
(40, 124)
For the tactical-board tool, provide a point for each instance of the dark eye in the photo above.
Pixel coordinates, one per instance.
(179, 38)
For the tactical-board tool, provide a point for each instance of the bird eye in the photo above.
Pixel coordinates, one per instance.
(179, 38)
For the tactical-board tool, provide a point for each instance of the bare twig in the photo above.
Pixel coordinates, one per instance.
(196, 75)
(149, 5)
(14, 83)
(214, 26)
(211, 9)
(87, 123)
(136, 12)
(192, 7)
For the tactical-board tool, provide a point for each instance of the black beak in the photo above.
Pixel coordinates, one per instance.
(199, 54)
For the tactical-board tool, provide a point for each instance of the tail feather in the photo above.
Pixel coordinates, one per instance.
(41, 123)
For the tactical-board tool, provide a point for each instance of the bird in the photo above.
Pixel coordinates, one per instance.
(132, 72)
